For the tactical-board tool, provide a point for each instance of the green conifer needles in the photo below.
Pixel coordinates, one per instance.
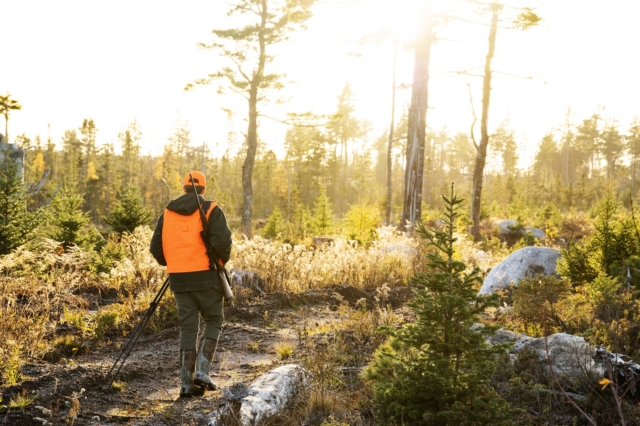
(437, 371)
(129, 212)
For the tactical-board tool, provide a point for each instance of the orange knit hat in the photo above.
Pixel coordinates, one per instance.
(198, 179)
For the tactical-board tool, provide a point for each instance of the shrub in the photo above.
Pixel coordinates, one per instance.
(438, 370)
(108, 256)
(612, 243)
(535, 303)
(110, 321)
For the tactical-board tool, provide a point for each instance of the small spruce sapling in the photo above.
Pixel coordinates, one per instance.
(129, 212)
(437, 371)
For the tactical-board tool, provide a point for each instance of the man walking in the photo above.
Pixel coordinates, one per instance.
(177, 243)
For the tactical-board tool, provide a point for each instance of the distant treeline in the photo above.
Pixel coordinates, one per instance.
(570, 169)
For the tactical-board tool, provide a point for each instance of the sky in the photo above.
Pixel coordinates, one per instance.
(120, 61)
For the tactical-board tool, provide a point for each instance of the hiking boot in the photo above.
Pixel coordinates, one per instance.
(187, 367)
(203, 363)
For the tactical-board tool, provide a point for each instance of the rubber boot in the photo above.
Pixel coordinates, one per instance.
(187, 367)
(203, 363)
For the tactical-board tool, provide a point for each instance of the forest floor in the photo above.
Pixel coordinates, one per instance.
(69, 392)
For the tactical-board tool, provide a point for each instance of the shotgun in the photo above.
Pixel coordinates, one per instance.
(214, 260)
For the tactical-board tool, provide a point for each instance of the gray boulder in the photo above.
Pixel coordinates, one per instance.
(568, 355)
(524, 263)
(507, 336)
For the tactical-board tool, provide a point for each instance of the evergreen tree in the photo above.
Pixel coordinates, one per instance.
(607, 250)
(611, 147)
(588, 139)
(130, 140)
(322, 214)
(267, 23)
(437, 371)
(17, 225)
(632, 140)
(6, 106)
(301, 222)
(274, 225)
(129, 212)
(69, 222)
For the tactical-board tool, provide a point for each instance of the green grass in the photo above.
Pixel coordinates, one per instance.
(254, 346)
(119, 387)
(19, 402)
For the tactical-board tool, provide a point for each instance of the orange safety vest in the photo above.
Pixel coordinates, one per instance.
(182, 244)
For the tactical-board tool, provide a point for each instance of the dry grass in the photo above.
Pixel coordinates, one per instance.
(392, 259)
(43, 288)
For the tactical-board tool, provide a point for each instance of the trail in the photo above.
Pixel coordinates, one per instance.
(70, 390)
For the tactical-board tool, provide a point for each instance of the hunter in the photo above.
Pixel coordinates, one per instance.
(177, 244)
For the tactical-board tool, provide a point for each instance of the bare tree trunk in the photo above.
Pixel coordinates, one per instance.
(390, 146)
(252, 131)
(481, 158)
(412, 205)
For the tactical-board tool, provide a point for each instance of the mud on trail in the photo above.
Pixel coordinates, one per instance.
(146, 391)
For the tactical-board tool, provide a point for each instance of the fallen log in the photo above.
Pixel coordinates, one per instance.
(269, 395)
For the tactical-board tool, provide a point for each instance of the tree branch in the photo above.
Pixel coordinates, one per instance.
(289, 123)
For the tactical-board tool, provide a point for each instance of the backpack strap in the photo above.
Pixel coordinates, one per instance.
(208, 206)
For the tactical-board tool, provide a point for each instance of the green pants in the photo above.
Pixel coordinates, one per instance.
(207, 303)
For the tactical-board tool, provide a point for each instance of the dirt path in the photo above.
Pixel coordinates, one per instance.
(68, 392)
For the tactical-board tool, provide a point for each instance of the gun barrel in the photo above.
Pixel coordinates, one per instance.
(227, 293)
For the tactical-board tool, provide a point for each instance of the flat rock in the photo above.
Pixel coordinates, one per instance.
(568, 355)
(524, 263)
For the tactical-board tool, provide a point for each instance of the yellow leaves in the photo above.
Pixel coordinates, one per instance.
(604, 382)
(91, 171)
(38, 165)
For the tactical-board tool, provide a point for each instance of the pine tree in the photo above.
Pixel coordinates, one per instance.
(301, 222)
(322, 214)
(274, 225)
(129, 212)
(69, 222)
(17, 225)
(267, 24)
(437, 371)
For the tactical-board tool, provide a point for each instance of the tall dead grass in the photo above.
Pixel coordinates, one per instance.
(35, 287)
(44, 289)
(392, 259)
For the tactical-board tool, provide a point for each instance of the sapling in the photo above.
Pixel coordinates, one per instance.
(438, 370)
